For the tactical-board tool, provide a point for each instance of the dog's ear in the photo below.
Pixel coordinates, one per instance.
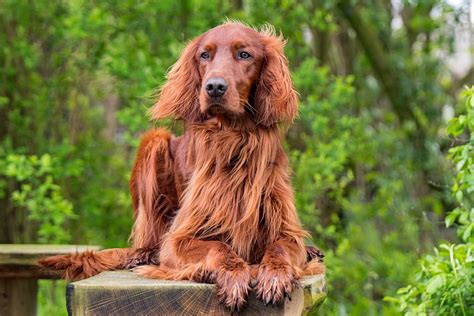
(179, 95)
(275, 98)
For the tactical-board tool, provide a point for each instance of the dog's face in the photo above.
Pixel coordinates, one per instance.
(232, 71)
(230, 59)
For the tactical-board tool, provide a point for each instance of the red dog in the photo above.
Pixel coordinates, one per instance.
(216, 204)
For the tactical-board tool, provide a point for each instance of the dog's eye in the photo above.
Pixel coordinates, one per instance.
(244, 55)
(205, 55)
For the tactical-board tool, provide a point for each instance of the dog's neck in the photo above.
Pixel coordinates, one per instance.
(246, 122)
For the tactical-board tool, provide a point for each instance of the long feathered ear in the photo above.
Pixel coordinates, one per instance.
(275, 98)
(180, 94)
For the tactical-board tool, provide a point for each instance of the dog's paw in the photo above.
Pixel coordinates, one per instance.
(233, 284)
(142, 256)
(275, 281)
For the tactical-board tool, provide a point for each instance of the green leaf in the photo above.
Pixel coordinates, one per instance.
(435, 283)
(456, 126)
(451, 218)
(467, 232)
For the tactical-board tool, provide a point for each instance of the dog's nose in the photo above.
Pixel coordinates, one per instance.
(216, 87)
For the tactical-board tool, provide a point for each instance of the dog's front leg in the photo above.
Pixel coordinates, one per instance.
(285, 255)
(205, 261)
(279, 271)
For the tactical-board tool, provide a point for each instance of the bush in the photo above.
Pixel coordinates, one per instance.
(444, 283)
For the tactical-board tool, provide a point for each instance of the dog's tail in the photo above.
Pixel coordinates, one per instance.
(81, 265)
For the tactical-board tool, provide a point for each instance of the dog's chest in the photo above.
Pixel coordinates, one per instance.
(230, 173)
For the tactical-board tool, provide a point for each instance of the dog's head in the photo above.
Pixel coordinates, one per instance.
(231, 71)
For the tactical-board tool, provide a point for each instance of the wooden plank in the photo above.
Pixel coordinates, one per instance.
(27, 254)
(18, 297)
(19, 274)
(28, 272)
(125, 293)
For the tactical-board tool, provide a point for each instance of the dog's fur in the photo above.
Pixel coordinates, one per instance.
(216, 204)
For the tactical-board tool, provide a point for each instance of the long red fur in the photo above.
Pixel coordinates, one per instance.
(216, 204)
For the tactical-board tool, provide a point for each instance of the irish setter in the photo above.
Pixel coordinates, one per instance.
(216, 204)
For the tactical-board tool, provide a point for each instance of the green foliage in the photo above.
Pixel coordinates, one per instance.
(51, 298)
(463, 158)
(39, 195)
(336, 146)
(444, 283)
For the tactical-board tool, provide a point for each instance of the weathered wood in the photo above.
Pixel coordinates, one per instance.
(19, 274)
(18, 297)
(27, 254)
(14, 271)
(125, 293)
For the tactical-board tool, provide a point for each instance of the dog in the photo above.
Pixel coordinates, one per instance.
(216, 204)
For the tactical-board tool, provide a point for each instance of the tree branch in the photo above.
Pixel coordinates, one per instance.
(380, 61)
(467, 79)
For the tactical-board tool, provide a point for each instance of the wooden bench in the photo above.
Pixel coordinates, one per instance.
(125, 293)
(19, 275)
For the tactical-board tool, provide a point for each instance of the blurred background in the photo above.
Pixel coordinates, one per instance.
(377, 176)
